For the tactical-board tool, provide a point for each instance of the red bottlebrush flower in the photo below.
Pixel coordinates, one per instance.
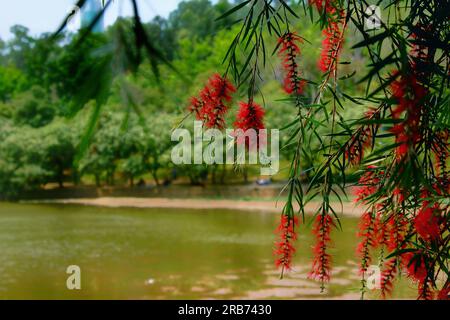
(333, 33)
(415, 265)
(368, 184)
(396, 229)
(425, 292)
(210, 106)
(321, 269)
(401, 139)
(196, 106)
(426, 222)
(322, 5)
(367, 231)
(399, 195)
(388, 276)
(284, 248)
(382, 228)
(331, 46)
(222, 88)
(444, 293)
(289, 51)
(249, 116)
(214, 110)
(409, 95)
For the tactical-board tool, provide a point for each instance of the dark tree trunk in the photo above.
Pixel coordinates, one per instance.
(110, 177)
(75, 177)
(223, 173)
(155, 177)
(213, 174)
(60, 175)
(97, 180)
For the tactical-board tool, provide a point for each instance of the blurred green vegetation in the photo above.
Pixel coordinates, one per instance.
(48, 96)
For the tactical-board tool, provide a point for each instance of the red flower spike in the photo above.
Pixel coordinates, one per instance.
(368, 184)
(322, 5)
(367, 232)
(250, 116)
(415, 266)
(444, 293)
(396, 228)
(427, 220)
(284, 248)
(382, 231)
(196, 106)
(221, 87)
(333, 34)
(210, 106)
(409, 95)
(321, 269)
(388, 277)
(290, 51)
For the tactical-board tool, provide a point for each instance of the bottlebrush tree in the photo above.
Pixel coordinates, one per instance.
(400, 145)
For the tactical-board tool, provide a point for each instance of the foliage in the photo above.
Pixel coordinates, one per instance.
(400, 143)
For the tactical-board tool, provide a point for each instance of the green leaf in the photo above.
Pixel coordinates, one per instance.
(234, 9)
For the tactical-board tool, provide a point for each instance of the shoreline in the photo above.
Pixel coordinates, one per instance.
(348, 209)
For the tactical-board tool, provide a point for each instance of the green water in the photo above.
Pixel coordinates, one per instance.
(160, 254)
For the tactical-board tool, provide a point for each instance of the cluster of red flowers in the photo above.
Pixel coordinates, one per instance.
(379, 229)
(333, 33)
(284, 249)
(321, 269)
(391, 224)
(210, 106)
(289, 51)
(408, 93)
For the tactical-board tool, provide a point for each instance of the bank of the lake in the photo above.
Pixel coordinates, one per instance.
(346, 208)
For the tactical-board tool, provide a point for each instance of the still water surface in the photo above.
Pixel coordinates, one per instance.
(161, 254)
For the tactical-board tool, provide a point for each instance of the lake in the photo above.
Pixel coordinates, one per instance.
(127, 253)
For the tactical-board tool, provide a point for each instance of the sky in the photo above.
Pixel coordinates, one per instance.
(46, 15)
